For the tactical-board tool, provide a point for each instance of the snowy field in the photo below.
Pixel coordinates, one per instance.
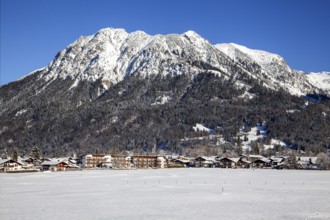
(166, 194)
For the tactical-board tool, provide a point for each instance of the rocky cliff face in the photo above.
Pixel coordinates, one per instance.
(131, 90)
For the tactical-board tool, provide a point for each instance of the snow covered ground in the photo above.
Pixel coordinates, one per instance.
(166, 194)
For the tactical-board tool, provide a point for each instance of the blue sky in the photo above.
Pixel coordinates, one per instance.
(33, 31)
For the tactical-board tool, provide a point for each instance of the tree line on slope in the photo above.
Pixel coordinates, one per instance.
(126, 118)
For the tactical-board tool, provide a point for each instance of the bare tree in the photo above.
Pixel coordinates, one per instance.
(4, 154)
(323, 161)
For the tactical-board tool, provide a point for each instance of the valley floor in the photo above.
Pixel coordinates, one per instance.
(166, 194)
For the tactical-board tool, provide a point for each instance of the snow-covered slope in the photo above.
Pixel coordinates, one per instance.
(263, 58)
(272, 69)
(320, 80)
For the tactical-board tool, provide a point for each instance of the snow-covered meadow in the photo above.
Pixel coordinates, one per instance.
(166, 194)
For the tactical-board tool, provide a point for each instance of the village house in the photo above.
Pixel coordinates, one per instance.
(143, 162)
(262, 163)
(121, 162)
(71, 163)
(26, 166)
(277, 162)
(31, 161)
(95, 160)
(9, 165)
(54, 165)
(205, 161)
(228, 162)
(307, 162)
(180, 162)
(236, 162)
(243, 163)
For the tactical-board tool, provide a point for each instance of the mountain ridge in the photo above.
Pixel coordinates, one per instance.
(113, 54)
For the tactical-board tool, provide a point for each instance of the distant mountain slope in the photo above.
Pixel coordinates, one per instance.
(273, 71)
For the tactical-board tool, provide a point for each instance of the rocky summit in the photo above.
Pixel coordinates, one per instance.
(119, 91)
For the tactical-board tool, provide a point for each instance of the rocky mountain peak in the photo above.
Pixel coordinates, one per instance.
(112, 54)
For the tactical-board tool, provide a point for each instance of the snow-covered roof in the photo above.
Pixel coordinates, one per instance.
(255, 156)
(182, 160)
(234, 159)
(161, 158)
(73, 166)
(263, 159)
(21, 161)
(52, 162)
(72, 161)
(245, 160)
(210, 158)
(2, 161)
(277, 159)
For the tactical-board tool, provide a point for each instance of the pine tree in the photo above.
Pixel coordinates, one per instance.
(15, 155)
(36, 152)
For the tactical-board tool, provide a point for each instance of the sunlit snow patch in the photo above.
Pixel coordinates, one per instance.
(252, 135)
(200, 127)
(161, 100)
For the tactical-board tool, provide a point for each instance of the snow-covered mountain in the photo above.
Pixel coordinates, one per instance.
(125, 90)
(113, 54)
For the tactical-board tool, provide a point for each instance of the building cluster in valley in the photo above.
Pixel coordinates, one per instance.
(104, 161)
